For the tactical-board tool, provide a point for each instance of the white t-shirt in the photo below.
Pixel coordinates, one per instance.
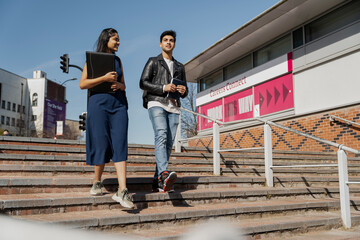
(170, 106)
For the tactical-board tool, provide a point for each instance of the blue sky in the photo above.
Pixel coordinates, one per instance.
(35, 33)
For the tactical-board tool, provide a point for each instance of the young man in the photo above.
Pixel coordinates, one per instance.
(156, 81)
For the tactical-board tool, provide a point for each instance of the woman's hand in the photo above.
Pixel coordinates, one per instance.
(110, 77)
(117, 85)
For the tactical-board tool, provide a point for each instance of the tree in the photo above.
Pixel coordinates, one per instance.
(189, 122)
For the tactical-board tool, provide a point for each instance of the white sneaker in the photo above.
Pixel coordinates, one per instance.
(123, 198)
(96, 189)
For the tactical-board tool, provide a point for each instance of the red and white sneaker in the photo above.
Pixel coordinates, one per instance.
(167, 181)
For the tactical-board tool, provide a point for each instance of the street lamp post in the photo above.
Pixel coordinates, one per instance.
(72, 79)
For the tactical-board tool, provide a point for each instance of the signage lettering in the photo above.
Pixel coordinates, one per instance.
(228, 87)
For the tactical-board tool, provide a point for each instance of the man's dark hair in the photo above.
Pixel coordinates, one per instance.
(168, 32)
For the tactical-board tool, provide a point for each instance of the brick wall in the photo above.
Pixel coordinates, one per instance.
(316, 124)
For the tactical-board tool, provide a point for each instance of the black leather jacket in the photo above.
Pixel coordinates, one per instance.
(155, 75)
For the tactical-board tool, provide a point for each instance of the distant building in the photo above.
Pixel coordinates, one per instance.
(297, 63)
(48, 105)
(14, 110)
(34, 107)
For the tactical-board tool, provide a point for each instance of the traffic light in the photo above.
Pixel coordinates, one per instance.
(82, 121)
(65, 63)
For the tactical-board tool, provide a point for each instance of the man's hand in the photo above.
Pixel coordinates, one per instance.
(170, 88)
(181, 89)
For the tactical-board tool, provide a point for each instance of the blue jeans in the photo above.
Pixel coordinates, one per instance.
(165, 125)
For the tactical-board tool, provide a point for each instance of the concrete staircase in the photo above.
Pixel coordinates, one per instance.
(47, 180)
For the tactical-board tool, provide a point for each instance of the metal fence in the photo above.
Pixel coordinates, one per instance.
(269, 173)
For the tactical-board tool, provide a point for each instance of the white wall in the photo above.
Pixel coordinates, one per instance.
(327, 72)
(37, 86)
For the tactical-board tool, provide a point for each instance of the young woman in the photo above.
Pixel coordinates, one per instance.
(107, 121)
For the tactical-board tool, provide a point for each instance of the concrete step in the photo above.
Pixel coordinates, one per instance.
(46, 203)
(37, 159)
(47, 180)
(332, 234)
(58, 184)
(58, 142)
(254, 219)
(63, 184)
(48, 170)
(290, 227)
(137, 150)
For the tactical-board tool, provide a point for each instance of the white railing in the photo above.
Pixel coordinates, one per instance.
(333, 118)
(269, 173)
(216, 140)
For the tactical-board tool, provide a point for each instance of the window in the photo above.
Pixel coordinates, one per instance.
(34, 99)
(13, 122)
(2, 119)
(8, 121)
(33, 118)
(23, 109)
(3, 104)
(18, 122)
(332, 21)
(19, 108)
(273, 50)
(238, 67)
(298, 37)
(8, 106)
(211, 80)
(14, 107)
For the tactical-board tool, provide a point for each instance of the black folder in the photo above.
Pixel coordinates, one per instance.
(99, 64)
(175, 95)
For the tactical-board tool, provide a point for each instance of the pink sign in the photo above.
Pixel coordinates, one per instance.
(239, 106)
(275, 95)
(213, 110)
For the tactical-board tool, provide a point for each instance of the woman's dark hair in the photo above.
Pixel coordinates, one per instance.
(105, 35)
(168, 32)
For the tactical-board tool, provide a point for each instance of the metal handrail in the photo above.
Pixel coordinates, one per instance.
(337, 145)
(221, 123)
(352, 182)
(204, 116)
(342, 159)
(305, 166)
(348, 122)
(241, 149)
(215, 120)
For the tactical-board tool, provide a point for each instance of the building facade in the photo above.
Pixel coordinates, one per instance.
(296, 64)
(14, 103)
(34, 107)
(48, 106)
